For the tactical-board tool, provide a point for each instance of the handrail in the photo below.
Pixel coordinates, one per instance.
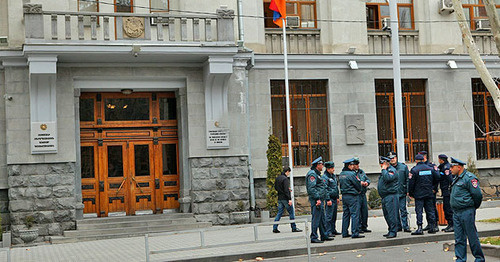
(204, 245)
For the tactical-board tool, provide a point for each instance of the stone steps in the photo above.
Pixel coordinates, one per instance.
(128, 226)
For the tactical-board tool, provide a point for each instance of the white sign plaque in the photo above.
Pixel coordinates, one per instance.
(217, 138)
(43, 137)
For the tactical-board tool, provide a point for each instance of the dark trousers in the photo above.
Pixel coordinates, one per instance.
(448, 213)
(428, 204)
(403, 214)
(317, 221)
(350, 205)
(363, 211)
(331, 217)
(434, 208)
(282, 205)
(465, 228)
(390, 207)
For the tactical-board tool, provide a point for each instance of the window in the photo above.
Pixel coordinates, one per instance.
(304, 9)
(88, 5)
(309, 113)
(487, 118)
(124, 6)
(414, 117)
(159, 5)
(475, 11)
(378, 10)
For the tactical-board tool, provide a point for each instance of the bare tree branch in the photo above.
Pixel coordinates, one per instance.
(475, 55)
(494, 18)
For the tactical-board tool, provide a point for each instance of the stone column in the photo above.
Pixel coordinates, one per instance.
(78, 163)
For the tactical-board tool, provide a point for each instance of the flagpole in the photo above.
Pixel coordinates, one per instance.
(288, 115)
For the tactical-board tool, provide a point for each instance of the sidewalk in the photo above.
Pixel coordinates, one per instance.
(132, 249)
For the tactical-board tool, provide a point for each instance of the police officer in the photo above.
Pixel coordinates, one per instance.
(465, 198)
(332, 198)
(444, 185)
(388, 189)
(363, 204)
(431, 164)
(423, 178)
(403, 173)
(316, 189)
(350, 187)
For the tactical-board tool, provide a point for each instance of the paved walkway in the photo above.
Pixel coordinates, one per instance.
(132, 249)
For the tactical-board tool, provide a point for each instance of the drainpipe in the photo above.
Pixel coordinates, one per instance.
(241, 34)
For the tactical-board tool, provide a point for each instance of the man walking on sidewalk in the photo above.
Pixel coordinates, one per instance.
(282, 185)
(387, 186)
(403, 174)
(465, 198)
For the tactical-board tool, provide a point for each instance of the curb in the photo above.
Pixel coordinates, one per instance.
(488, 250)
(333, 247)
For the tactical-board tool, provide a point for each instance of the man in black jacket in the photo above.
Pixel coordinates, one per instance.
(282, 185)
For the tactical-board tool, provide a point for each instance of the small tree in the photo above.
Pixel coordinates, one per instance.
(471, 166)
(274, 168)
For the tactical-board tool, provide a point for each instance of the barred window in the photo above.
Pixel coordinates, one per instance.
(309, 114)
(487, 118)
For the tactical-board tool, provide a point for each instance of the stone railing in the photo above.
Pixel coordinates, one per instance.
(160, 27)
(298, 41)
(379, 42)
(484, 42)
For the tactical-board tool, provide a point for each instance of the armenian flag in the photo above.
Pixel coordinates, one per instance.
(279, 8)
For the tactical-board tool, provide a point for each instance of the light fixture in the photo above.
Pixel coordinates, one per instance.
(353, 65)
(127, 91)
(449, 51)
(452, 64)
(135, 50)
(351, 50)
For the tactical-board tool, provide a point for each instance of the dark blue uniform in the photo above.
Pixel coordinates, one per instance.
(444, 185)
(403, 174)
(332, 195)
(465, 198)
(350, 187)
(388, 190)
(434, 207)
(363, 203)
(316, 190)
(423, 179)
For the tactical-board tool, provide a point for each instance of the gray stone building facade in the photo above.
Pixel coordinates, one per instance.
(205, 95)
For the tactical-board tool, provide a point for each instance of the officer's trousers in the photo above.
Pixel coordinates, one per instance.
(282, 205)
(317, 221)
(363, 212)
(465, 228)
(403, 214)
(350, 205)
(331, 217)
(427, 204)
(434, 208)
(448, 213)
(390, 207)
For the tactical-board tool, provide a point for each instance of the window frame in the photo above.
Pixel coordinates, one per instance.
(380, 18)
(470, 11)
(299, 12)
(487, 107)
(131, 7)
(96, 2)
(159, 11)
(308, 113)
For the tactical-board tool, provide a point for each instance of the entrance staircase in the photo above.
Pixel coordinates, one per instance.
(128, 226)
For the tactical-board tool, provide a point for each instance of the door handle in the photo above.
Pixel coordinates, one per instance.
(121, 185)
(137, 184)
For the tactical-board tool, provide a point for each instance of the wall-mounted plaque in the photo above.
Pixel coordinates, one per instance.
(43, 137)
(217, 137)
(355, 129)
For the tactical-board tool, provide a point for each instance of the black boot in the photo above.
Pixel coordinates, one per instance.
(448, 229)
(433, 229)
(426, 228)
(419, 231)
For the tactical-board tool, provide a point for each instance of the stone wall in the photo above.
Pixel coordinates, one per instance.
(489, 180)
(218, 185)
(46, 192)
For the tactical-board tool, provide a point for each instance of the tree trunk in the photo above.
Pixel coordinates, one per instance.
(493, 16)
(474, 54)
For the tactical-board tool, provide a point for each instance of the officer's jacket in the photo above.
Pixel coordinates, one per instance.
(388, 182)
(349, 182)
(363, 177)
(446, 178)
(316, 188)
(431, 164)
(465, 192)
(332, 187)
(403, 172)
(423, 179)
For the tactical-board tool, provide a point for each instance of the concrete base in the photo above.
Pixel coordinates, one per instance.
(6, 239)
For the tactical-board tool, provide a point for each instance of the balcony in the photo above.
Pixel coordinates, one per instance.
(485, 42)
(305, 41)
(379, 42)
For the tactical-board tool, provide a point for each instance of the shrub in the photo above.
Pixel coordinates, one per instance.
(374, 200)
(274, 168)
(471, 166)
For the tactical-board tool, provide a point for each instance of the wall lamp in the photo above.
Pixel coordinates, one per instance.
(351, 50)
(452, 64)
(353, 65)
(449, 51)
(127, 91)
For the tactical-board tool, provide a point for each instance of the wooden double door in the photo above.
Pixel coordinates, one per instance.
(129, 166)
